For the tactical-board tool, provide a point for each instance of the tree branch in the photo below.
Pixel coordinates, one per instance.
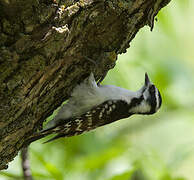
(26, 164)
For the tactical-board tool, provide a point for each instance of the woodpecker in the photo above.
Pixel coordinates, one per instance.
(91, 106)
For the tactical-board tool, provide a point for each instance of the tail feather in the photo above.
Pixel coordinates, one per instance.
(38, 136)
(45, 132)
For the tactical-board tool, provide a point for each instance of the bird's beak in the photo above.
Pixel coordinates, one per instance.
(147, 80)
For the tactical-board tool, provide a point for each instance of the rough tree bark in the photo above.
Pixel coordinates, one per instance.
(43, 50)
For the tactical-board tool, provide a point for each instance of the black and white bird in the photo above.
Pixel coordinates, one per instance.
(92, 106)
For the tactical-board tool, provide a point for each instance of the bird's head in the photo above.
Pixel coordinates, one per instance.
(149, 99)
(151, 96)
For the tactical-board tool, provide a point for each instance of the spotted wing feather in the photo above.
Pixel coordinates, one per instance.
(105, 113)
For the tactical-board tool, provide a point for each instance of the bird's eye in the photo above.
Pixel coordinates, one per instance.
(152, 89)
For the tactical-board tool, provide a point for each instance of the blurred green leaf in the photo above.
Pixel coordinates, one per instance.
(123, 176)
(99, 160)
(10, 176)
(51, 169)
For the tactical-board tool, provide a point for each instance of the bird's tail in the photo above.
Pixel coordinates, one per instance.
(38, 136)
(45, 132)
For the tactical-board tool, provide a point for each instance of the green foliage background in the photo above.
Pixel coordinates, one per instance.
(157, 147)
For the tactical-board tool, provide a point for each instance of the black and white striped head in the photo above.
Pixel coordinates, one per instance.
(151, 97)
(148, 101)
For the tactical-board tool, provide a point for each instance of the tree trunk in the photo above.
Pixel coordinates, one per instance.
(45, 48)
